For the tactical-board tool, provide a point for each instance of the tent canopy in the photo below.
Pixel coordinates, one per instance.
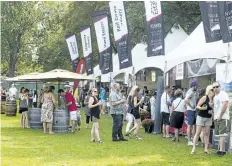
(139, 53)
(195, 47)
(23, 78)
(56, 75)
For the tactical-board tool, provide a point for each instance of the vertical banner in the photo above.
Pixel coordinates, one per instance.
(225, 17)
(87, 48)
(121, 34)
(210, 18)
(155, 30)
(73, 49)
(180, 71)
(101, 25)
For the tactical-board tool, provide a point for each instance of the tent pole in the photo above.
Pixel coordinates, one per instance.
(58, 93)
(227, 61)
(36, 88)
(165, 70)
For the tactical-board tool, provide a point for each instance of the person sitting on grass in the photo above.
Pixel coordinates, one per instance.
(177, 113)
(72, 108)
(94, 106)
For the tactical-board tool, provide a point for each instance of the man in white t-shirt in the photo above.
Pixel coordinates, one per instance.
(221, 116)
(165, 112)
(190, 100)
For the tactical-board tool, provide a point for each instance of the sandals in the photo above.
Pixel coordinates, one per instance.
(100, 141)
(206, 152)
(128, 135)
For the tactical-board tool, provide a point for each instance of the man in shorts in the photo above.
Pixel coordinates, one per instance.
(72, 108)
(221, 116)
(190, 100)
(165, 112)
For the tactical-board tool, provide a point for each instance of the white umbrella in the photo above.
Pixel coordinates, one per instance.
(23, 78)
(59, 75)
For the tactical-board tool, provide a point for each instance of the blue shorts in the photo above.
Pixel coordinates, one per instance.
(191, 116)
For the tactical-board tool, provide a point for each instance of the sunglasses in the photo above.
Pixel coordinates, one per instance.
(95, 91)
(215, 87)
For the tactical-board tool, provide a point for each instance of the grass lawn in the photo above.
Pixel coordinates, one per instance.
(32, 147)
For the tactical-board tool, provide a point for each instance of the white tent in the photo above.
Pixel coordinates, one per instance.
(139, 53)
(195, 47)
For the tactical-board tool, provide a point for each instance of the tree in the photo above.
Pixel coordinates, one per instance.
(33, 32)
(19, 26)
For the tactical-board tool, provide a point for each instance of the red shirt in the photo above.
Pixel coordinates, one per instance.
(69, 98)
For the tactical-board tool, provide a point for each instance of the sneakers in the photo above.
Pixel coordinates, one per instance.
(220, 153)
(139, 138)
(123, 139)
(190, 143)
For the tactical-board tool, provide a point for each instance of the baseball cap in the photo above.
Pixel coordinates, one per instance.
(67, 86)
(215, 84)
(194, 83)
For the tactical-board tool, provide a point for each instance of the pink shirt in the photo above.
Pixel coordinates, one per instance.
(69, 98)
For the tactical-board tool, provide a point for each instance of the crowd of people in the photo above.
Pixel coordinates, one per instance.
(210, 109)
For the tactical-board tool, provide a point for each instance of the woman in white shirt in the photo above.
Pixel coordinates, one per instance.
(177, 113)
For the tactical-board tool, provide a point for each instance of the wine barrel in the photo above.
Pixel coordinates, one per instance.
(3, 107)
(34, 116)
(11, 108)
(60, 121)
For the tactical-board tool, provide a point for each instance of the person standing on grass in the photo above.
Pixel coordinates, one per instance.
(23, 107)
(94, 106)
(116, 111)
(204, 118)
(190, 100)
(103, 100)
(221, 116)
(72, 108)
(87, 110)
(129, 116)
(49, 102)
(177, 113)
(136, 112)
(165, 112)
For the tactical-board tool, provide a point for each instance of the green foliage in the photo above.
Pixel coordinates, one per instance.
(33, 32)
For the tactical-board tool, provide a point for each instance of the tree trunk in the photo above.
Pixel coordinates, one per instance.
(12, 64)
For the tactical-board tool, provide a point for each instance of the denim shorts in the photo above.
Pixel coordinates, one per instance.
(191, 116)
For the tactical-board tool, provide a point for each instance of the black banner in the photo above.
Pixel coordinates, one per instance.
(210, 18)
(225, 17)
(87, 48)
(101, 25)
(155, 29)
(121, 34)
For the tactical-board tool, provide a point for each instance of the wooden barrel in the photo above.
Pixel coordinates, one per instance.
(3, 107)
(34, 116)
(60, 121)
(11, 108)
